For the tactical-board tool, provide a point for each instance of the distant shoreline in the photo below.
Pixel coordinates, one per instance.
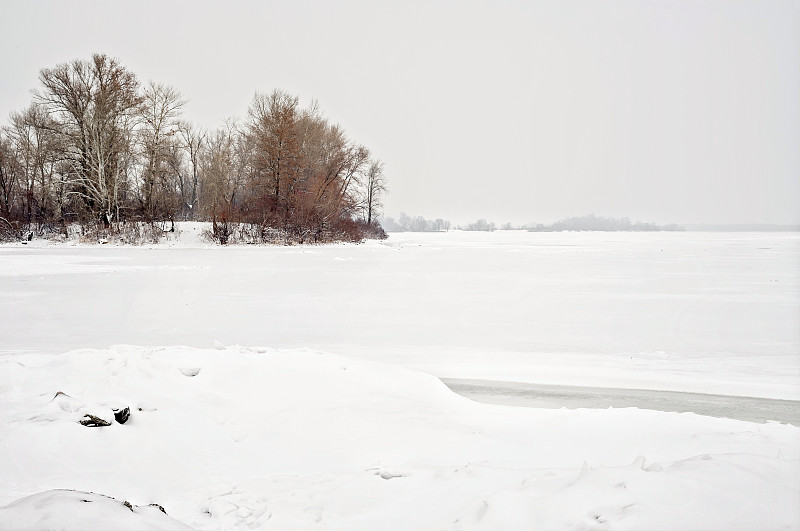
(743, 227)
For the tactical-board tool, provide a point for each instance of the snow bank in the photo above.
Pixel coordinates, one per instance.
(283, 439)
(68, 510)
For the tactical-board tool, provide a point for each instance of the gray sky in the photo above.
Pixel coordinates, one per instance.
(669, 111)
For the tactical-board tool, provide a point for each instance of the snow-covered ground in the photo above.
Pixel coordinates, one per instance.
(295, 439)
(328, 414)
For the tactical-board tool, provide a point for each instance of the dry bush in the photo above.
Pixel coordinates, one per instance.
(129, 232)
(374, 231)
(10, 230)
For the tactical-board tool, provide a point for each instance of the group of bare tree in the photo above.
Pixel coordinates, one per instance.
(97, 149)
(406, 223)
(602, 224)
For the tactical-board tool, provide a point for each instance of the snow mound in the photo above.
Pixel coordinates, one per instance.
(68, 510)
(233, 437)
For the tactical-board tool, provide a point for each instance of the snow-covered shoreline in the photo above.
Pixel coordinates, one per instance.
(240, 438)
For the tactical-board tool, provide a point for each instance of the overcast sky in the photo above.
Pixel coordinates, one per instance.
(679, 111)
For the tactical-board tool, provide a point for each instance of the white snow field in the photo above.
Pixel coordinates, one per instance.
(330, 416)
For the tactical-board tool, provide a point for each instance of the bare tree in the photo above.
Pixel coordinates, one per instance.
(37, 152)
(309, 171)
(94, 106)
(193, 139)
(374, 188)
(219, 178)
(333, 188)
(161, 111)
(273, 129)
(9, 174)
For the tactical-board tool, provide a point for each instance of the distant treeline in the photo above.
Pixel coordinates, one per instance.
(479, 226)
(98, 149)
(406, 223)
(745, 227)
(583, 223)
(597, 223)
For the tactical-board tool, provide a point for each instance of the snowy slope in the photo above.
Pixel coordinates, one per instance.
(68, 510)
(290, 439)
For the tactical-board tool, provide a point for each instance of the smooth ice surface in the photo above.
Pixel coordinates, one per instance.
(700, 312)
(248, 438)
(573, 397)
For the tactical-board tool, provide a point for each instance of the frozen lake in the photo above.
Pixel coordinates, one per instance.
(697, 312)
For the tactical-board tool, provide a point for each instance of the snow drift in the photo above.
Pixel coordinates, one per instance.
(68, 510)
(283, 439)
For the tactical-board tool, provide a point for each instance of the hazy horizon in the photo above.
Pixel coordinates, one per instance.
(681, 112)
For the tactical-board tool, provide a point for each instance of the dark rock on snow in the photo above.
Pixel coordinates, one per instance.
(93, 422)
(122, 415)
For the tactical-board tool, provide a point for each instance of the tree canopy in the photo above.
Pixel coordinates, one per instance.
(99, 149)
